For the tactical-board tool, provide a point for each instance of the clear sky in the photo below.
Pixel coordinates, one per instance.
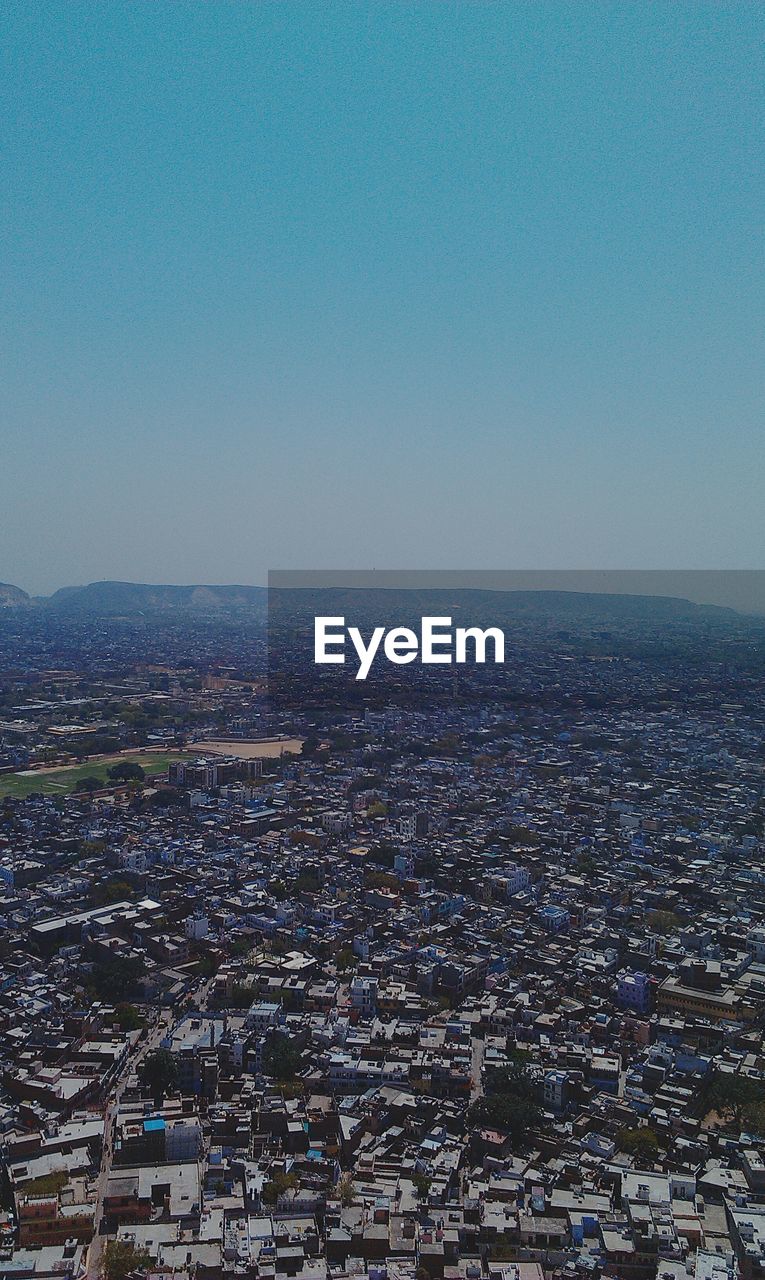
(396, 285)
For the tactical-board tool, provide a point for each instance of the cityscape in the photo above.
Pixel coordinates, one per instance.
(422, 987)
(382, 640)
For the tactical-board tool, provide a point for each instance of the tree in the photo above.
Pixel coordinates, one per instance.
(640, 1142)
(512, 1101)
(128, 1017)
(345, 958)
(159, 1072)
(292, 1089)
(101, 745)
(515, 1078)
(383, 853)
(368, 782)
(662, 922)
(115, 977)
(281, 1059)
(122, 1259)
(754, 1118)
(502, 1111)
(126, 771)
(520, 835)
(422, 1183)
(104, 892)
(585, 864)
(277, 1185)
(207, 966)
(241, 996)
(733, 1097)
(379, 880)
(89, 783)
(346, 1190)
(167, 798)
(90, 848)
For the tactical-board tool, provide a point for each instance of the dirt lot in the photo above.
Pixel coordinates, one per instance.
(249, 750)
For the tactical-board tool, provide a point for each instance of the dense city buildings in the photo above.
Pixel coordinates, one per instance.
(464, 986)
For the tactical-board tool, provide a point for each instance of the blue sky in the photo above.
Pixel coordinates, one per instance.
(396, 285)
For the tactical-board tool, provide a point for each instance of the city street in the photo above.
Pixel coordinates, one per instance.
(143, 1047)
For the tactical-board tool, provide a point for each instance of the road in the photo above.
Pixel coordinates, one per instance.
(202, 994)
(476, 1069)
(146, 1044)
(143, 1046)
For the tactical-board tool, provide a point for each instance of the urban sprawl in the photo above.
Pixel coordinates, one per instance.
(464, 988)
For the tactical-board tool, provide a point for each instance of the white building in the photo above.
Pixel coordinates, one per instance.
(197, 926)
(364, 994)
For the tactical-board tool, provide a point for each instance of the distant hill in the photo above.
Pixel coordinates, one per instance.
(13, 597)
(379, 606)
(137, 597)
(390, 606)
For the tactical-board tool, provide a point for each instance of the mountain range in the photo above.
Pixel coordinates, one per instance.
(134, 597)
(125, 598)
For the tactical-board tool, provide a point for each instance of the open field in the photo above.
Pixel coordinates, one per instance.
(266, 748)
(63, 779)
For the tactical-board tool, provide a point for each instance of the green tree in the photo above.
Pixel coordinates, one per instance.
(101, 745)
(754, 1118)
(731, 1096)
(515, 1079)
(206, 966)
(277, 1185)
(380, 880)
(115, 977)
(640, 1142)
(663, 922)
(520, 835)
(512, 1101)
(307, 882)
(48, 1184)
(168, 798)
(123, 1259)
(104, 892)
(90, 848)
(128, 1017)
(502, 1111)
(126, 771)
(89, 783)
(159, 1072)
(383, 853)
(281, 1059)
(346, 1190)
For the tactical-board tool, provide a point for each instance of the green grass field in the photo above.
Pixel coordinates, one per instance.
(59, 782)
